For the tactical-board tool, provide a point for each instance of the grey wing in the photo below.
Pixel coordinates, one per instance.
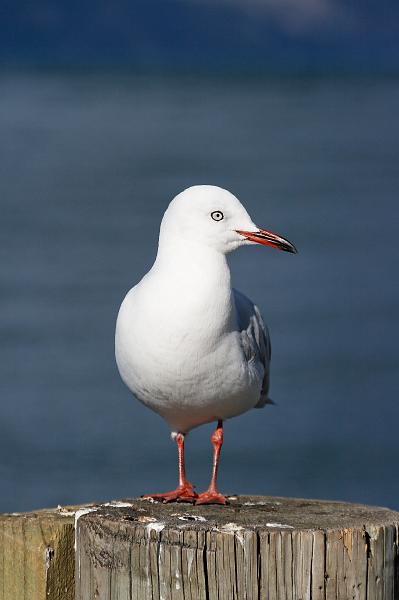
(255, 339)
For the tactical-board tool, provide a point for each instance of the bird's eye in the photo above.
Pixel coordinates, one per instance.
(217, 215)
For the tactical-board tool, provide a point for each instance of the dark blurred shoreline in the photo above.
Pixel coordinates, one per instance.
(254, 76)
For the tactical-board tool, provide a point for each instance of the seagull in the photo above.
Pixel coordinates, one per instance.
(187, 344)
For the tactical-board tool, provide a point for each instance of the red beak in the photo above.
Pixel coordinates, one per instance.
(267, 238)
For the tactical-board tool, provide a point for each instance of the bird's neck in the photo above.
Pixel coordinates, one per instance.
(193, 279)
(192, 264)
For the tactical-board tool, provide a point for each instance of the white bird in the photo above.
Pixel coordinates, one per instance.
(187, 344)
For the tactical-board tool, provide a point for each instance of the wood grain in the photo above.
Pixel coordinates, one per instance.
(37, 558)
(256, 548)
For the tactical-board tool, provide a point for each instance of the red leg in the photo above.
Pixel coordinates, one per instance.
(212, 496)
(184, 491)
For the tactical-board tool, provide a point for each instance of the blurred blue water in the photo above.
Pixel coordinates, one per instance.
(88, 165)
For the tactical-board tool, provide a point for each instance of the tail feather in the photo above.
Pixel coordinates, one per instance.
(263, 401)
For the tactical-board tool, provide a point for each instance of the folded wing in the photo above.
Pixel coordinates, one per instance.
(255, 339)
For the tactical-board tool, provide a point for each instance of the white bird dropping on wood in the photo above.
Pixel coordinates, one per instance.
(187, 345)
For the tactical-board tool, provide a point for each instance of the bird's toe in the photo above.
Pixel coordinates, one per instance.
(211, 498)
(183, 493)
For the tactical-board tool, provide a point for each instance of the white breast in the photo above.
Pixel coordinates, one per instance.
(179, 351)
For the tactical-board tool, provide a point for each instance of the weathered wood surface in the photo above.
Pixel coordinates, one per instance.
(257, 548)
(37, 557)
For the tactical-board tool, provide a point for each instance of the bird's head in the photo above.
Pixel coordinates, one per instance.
(211, 216)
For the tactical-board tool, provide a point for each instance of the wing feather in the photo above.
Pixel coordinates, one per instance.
(255, 339)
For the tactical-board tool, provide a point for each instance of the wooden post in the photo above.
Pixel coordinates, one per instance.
(37, 557)
(256, 548)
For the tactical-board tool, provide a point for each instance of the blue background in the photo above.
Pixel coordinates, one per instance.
(106, 114)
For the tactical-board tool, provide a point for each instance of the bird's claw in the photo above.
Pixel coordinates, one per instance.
(183, 493)
(211, 498)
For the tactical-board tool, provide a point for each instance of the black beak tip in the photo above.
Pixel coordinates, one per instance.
(287, 246)
(291, 249)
